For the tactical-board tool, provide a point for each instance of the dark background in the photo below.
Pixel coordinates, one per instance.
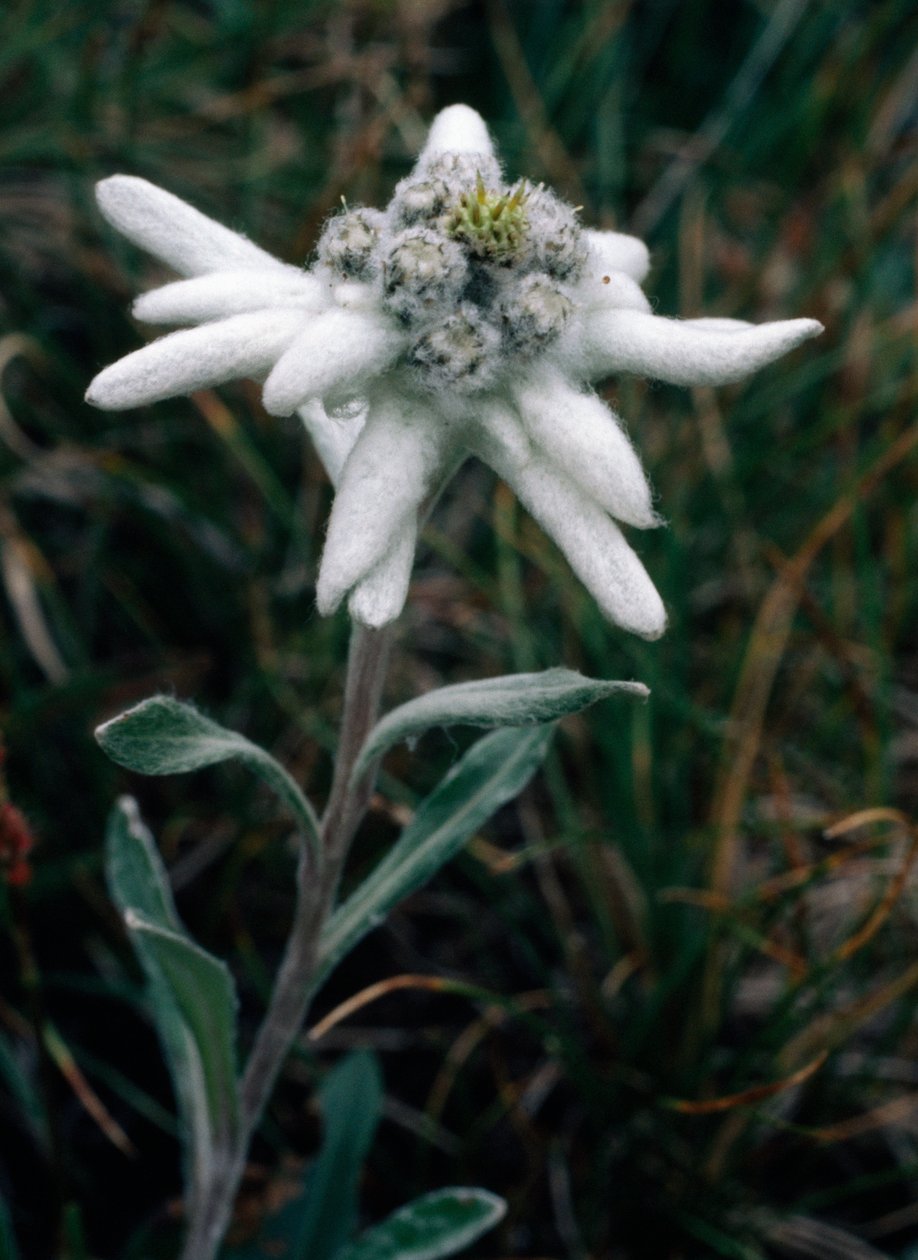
(662, 916)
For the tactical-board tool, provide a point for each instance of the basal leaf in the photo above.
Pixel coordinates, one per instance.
(439, 1224)
(203, 991)
(192, 996)
(137, 878)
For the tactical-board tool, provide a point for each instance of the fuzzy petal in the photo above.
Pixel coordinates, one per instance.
(584, 439)
(333, 438)
(601, 289)
(175, 232)
(224, 293)
(196, 358)
(401, 455)
(614, 251)
(717, 323)
(336, 353)
(678, 351)
(456, 129)
(379, 597)
(591, 541)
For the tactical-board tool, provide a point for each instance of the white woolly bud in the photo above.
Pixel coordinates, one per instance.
(460, 171)
(426, 194)
(462, 351)
(535, 309)
(422, 269)
(348, 244)
(419, 199)
(457, 129)
(554, 242)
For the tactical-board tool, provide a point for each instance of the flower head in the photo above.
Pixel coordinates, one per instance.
(469, 317)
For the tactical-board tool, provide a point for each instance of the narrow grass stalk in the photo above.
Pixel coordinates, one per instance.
(316, 890)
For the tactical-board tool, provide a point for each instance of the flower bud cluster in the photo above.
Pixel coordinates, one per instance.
(463, 351)
(425, 196)
(350, 243)
(534, 309)
(475, 271)
(558, 247)
(424, 272)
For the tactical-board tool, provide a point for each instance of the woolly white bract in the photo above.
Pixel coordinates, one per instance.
(467, 318)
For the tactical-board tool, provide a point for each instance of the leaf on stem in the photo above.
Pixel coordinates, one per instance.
(438, 1224)
(164, 736)
(192, 995)
(492, 772)
(510, 700)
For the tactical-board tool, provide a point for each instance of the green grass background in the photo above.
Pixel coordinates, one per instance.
(662, 919)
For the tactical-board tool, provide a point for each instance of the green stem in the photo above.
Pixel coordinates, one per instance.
(316, 890)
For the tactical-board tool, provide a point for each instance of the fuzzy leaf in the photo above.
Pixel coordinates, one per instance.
(492, 772)
(438, 1224)
(192, 995)
(510, 700)
(164, 736)
(202, 989)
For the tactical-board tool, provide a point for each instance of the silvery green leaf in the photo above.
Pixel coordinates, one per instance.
(492, 772)
(164, 736)
(203, 992)
(438, 1224)
(510, 700)
(137, 878)
(192, 995)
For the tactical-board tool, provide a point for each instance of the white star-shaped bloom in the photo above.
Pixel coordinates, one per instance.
(469, 317)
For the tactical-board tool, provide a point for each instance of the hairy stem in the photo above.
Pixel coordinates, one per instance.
(316, 890)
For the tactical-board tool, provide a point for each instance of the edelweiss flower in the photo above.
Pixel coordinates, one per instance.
(467, 318)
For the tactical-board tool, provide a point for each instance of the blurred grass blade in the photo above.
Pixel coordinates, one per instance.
(318, 1221)
(492, 772)
(21, 1088)
(20, 563)
(745, 1097)
(351, 1100)
(435, 1225)
(804, 1236)
(164, 736)
(510, 700)
(8, 1248)
(192, 995)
